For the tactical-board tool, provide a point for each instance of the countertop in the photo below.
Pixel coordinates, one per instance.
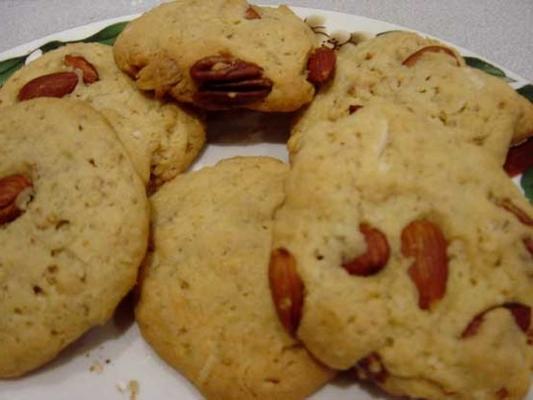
(497, 30)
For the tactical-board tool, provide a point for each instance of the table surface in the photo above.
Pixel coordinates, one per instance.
(500, 31)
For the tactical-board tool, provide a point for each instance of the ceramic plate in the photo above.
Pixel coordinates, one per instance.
(113, 362)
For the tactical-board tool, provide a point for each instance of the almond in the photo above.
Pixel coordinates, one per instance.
(502, 394)
(10, 188)
(521, 314)
(376, 255)
(528, 242)
(413, 58)
(57, 84)
(354, 108)
(287, 289)
(519, 158)
(520, 214)
(89, 73)
(251, 13)
(321, 65)
(425, 242)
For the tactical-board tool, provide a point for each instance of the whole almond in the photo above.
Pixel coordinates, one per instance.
(10, 188)
(287, 289)
(321, 65)
(520, 312)
(57, 84)
(425, 242)
(376, 255)
(89, 72)
(413, 58)
(520, 214)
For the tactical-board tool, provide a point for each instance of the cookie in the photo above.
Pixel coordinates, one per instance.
(413, 250)
(73, 228)
(205, 305)
(431, 79)
(162, 139)
(223, 54)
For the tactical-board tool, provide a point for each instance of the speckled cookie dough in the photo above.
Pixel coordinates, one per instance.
(415, 252)
(205, 304)
(161, 139)
(431, 79)
(220, 54)
(73, 228)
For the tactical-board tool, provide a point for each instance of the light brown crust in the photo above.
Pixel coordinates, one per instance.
(205, 304)
(455, 252)
(160, 59)
(161, 139)
(73, 253)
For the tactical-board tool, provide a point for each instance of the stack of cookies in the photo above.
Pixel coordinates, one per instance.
(393, 246)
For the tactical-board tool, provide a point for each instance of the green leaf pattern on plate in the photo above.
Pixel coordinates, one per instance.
(385, 32)
(526, 181)
(106, 36)
(527, 92)
(8, 67)
(527, 177)
(484, 66)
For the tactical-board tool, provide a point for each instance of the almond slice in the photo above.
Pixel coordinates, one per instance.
(376, 255)
(58, 84)
(89, 73)
(10, 188)
(425, 242)
(521, 314)
(287, 289)
(354, 108)
(413, 58)
(520, 214)
(251, 13)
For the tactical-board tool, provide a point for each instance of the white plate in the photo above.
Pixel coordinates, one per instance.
(102, 363)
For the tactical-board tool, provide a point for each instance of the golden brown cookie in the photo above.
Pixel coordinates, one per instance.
(431, 79)
(73, 228)
(223, 54)
(161, 139)
(205, 305)
(413, 252)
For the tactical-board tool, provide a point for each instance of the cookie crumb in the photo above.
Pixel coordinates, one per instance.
(133, 387)
(96, 367)
(121, 386)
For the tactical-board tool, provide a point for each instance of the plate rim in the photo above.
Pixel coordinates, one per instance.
(82, 31)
